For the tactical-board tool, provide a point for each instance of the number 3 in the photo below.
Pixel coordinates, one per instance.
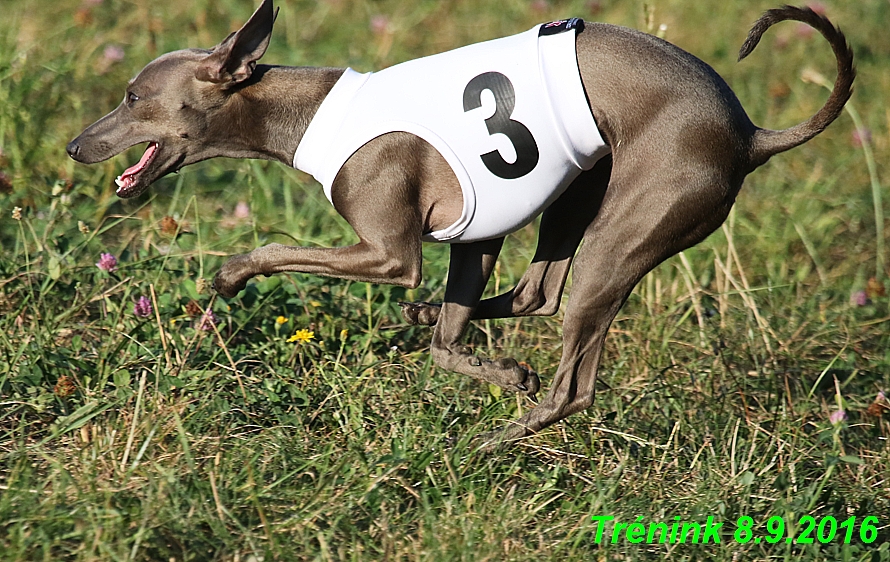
(519, 135)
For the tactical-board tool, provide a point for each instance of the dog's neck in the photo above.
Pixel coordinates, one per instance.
(267, 117)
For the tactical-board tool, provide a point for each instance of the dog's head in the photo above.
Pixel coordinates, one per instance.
(174, 101)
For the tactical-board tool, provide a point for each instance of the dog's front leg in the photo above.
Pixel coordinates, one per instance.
(379, 202)
(361, 262)
(468, 272)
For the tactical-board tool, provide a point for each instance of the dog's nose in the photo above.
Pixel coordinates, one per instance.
(73, 149)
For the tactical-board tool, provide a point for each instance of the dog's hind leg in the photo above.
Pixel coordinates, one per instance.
(468, 272)
(539, 291)
(649, 213)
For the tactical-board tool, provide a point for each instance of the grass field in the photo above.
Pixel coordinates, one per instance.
(742, 379)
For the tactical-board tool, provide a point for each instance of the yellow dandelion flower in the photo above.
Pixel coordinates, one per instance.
(344, 333)
(281, 320)
(302, 336)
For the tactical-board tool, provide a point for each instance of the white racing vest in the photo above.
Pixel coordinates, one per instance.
(510, 117)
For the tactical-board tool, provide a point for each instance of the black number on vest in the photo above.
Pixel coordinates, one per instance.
(522, 139)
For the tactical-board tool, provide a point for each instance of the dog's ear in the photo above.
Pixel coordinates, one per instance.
(233, 60)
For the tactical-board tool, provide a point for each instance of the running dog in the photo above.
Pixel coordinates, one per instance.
(618, 138)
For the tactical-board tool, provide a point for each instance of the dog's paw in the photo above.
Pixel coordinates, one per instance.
(226, 289)
(501, 440)
(420, 313)
(532, 384)
(233, 276)
(508, 374)
(528, 383)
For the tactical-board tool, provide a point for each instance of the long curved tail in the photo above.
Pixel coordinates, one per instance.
(767, 142)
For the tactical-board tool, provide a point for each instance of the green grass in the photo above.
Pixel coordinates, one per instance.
(151, 439)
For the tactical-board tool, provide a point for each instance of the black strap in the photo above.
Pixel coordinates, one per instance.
(561, 26)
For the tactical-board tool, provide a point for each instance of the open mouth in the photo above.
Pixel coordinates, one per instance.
(127, 181)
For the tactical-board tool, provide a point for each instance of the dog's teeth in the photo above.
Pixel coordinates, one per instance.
(119, 181)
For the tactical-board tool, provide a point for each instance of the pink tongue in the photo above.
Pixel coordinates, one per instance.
(149, 152)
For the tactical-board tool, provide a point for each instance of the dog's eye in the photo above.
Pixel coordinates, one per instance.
(132, 98)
